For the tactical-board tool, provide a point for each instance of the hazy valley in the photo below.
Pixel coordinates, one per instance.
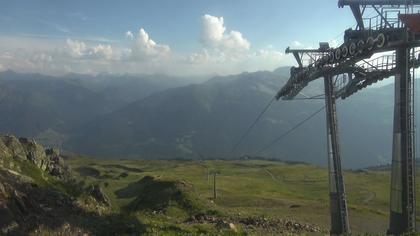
(155, 117)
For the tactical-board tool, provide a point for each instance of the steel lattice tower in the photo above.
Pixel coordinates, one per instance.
(346, 70)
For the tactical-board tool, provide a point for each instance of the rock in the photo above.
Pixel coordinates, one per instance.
(12, 148)
(34, 153)
(278, 225)
(97, 193)
(55, 163)
(9, 228)
(221, 224)
(233, 227)
(2, 189)
(3, 148)
(52, 152)
(19, 201)
(28, 150)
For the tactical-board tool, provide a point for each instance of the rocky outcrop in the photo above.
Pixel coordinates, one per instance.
(24, 206)
(270, 226)
(96, 192)
(24, 149)
(33, 203)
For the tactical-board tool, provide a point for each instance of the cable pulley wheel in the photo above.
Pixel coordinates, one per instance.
(352, 49)
(370, 42)
(360, 46)
(344, 51)
(380, 40)
(338, 54)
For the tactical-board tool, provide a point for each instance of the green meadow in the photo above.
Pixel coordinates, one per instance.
(246, 188)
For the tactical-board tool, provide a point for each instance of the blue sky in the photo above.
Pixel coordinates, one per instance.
(88, 32)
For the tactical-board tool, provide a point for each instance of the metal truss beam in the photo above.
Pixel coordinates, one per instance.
(342, 3)
(391, 34)
(358, 15)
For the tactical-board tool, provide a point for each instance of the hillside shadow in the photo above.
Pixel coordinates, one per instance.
(157, 195)
(134, 189)
(29, 208)
(85, 171)
(125, 168)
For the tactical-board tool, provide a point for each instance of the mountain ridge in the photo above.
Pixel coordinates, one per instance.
(204, 120)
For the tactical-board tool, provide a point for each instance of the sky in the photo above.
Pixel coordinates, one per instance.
(177, 37)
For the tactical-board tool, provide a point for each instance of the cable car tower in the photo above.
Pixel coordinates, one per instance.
(382, 45)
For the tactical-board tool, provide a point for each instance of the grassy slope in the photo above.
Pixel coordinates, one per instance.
(249, 188)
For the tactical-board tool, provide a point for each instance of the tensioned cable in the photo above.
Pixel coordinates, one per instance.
(290, 131)
(262, 113)
(252, 126)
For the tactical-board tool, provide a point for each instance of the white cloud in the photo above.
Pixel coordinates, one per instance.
(223, 52)
(79, 49)
(144, 48)
(26, 61)
(129, 35)
(102, 51)
(199, 57)
(214, 36)
(270, 54)
(213, 29)
(76, 48)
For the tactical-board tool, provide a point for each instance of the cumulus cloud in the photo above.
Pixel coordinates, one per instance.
(27, 61)
(213, 29)
(79, 49)
(144, 47)
(214, 35)
(223, 52)
(129, 35)
(76, 48)
(102, 51)
(199, 57)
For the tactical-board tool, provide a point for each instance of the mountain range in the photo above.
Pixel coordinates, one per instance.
(157, 116)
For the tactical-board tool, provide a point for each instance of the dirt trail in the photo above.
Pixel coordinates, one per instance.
(271, 175)
(370, 197)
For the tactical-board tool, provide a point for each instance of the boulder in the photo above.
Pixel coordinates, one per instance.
(99, 195)
(55, 163)
(34, 153)
(3, 149)
(233, 227)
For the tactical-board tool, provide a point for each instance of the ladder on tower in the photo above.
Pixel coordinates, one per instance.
(339, 213)
(411, 154)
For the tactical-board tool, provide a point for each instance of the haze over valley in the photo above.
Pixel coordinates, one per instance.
(158, 116)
